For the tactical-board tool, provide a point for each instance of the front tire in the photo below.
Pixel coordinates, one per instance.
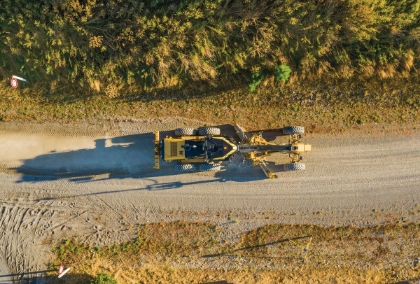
(290, 130)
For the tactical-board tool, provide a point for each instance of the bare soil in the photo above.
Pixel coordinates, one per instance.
(93, 180)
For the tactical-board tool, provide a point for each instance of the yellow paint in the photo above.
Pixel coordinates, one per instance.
(173, 149)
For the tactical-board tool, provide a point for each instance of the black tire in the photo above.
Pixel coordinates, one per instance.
(294, 167)
(210, 167)
(209, 131)
(185, 131)
(184, 167)
(290, 130)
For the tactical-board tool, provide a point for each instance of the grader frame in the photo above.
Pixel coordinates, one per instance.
(252, 147)
(256, 149)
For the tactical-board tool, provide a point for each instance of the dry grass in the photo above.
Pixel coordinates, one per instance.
(323, 106)
(196, 253)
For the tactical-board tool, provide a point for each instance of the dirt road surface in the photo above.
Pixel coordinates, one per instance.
(95, 180)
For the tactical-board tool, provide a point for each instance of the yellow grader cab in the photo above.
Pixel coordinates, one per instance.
(206, 148)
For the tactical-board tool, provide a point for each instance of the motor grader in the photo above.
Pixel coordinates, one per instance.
(205, 148)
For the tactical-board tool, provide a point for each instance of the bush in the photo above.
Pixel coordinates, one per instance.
(282, 72)
(256, 78)
(103, 278)
(165, 44)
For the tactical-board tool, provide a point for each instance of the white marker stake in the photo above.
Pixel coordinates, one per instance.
(14, 83)
(61, 269)
(19, 78)
(64, 272)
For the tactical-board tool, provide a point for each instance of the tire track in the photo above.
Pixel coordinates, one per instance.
(20, 219)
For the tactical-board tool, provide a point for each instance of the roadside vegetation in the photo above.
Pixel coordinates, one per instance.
(172, 44)
(183, 252)
(333, 62)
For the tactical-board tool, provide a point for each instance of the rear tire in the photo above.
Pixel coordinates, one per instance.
(184, 167)
(290, 130)
(209, 131)
(210, 167)
(294, 167)
(185, 132)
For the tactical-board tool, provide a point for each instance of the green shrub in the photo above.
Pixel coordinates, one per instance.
(282, 72)
(103, 278)
(256, 78)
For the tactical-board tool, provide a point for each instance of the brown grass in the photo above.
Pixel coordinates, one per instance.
(184, 252)
(328, 106)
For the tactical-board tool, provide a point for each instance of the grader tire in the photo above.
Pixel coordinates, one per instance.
(184, 167)
(209, 131)
(185, 132)
(210, 167)
(294, 167)
(290, 130)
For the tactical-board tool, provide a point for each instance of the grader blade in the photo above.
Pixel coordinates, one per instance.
(242, 133)
(267, 171)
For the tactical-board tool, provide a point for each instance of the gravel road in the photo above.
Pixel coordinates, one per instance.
(95, 180)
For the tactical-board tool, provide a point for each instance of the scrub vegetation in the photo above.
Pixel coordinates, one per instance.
(183, 252)
(333, 63)
(108, 45)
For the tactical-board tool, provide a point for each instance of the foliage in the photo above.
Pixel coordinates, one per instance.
(282, 73)
(256, 78)
(103, 278)
(107, 45)
(276, 249)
